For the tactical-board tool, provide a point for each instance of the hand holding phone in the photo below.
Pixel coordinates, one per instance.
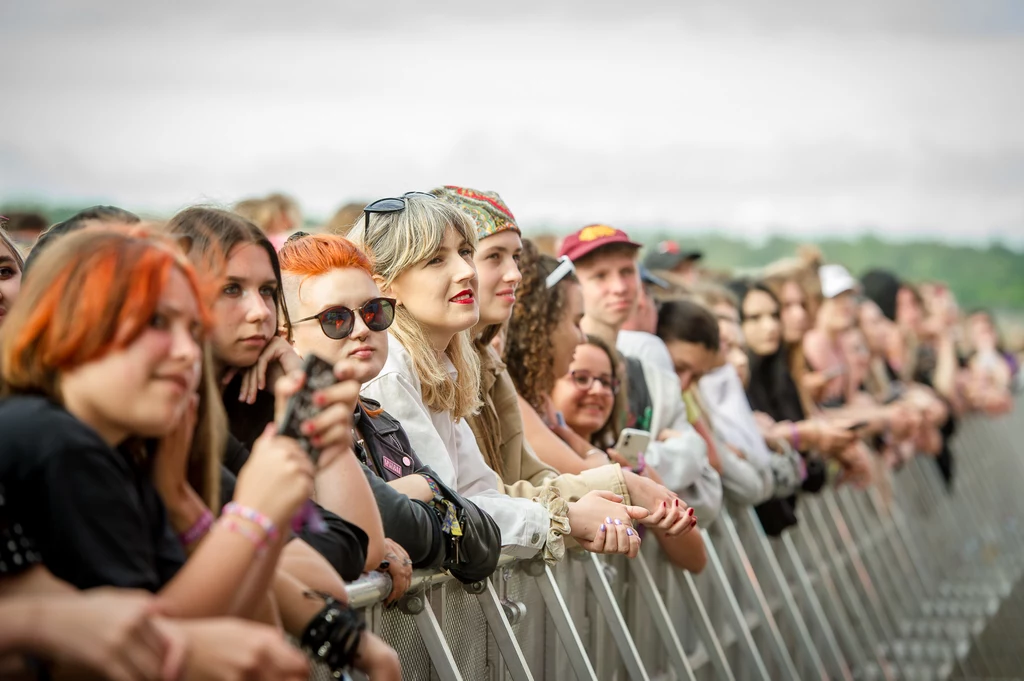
(319, 375)
(631, 444)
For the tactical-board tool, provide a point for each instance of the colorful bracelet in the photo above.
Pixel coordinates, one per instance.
(259, 541)
(198, 530)
(254, 516)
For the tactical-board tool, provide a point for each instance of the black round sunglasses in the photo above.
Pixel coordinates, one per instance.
(338, 321)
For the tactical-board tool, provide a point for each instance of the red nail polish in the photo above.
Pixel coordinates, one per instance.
(677, 502)
(690, 511)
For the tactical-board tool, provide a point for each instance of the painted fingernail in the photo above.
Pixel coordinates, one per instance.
(307, 428)
(690, 512)
(603, 528)
(677, 502)
(618, 522)
(319, 400)
(629, 532)
(694, 523)
(608, 520)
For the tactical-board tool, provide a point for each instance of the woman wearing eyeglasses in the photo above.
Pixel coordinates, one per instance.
(343, 317)
(422, 250)
(556, 429)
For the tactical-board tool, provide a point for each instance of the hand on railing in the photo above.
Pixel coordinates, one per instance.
(601, 523)
(668, 513)
(399, 567)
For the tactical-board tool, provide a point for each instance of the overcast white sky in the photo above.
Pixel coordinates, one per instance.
(801, 116)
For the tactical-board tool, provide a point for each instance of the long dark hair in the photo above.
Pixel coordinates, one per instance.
(771, 388)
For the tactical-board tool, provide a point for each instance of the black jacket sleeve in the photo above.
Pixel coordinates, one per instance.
(409, 522)
(343, 544)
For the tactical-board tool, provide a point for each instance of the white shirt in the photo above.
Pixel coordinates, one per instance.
(682, 462)
(451, 450)
(646, 346)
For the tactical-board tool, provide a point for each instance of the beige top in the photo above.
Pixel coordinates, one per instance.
(499, 433)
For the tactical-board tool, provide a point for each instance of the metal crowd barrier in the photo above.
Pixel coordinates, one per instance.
(897, 582)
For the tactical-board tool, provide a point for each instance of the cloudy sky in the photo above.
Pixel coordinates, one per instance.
(796, 116)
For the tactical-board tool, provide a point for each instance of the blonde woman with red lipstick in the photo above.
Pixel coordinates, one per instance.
(423, 250)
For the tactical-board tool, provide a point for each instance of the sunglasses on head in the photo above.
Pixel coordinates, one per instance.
(389, 205)
(584, 380)
(337, 322)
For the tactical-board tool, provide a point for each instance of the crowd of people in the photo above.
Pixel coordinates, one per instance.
(161, 519)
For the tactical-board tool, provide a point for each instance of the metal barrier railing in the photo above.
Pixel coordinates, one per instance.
(867, 585)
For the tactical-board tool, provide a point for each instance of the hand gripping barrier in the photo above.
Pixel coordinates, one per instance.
(896, 582)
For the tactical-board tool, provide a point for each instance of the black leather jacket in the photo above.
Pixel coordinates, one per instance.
(386, 454)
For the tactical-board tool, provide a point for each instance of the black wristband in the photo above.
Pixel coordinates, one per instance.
(333, 636)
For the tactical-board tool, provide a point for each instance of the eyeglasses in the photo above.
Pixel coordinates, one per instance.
(584, 380)
(564, 269)
(337, 322)
(390, 205)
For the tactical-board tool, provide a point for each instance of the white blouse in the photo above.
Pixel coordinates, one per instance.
(451, 450)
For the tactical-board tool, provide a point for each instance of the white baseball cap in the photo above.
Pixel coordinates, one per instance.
(835, 279)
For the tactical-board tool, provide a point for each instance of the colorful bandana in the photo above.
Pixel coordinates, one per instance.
(488, 211)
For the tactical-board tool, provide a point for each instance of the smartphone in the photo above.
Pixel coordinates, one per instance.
(319, 375)
(631, 444)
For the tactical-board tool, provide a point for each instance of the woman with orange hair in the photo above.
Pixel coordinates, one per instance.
(344, 318)
(102, 356)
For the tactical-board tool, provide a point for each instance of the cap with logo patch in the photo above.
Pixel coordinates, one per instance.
(592, 237)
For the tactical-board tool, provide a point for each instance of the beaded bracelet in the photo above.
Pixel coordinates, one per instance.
(198, 530)
(258, 540)
(254, 516)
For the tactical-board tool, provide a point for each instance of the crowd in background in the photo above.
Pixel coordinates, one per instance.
(156, 523)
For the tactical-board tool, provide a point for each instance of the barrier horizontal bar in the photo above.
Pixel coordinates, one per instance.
(374, 587)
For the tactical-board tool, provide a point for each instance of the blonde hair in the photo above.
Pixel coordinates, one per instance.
(396, 242)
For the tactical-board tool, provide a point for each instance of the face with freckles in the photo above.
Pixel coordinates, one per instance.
(245, 310)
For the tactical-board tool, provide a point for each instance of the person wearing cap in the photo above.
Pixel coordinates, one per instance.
(678, 264)
(498, 426)
(822, 345)
(606, 266)
(827, 351)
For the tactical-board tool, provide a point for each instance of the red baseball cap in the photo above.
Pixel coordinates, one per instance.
(590, 238)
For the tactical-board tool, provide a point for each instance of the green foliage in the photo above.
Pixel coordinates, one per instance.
(991, 277)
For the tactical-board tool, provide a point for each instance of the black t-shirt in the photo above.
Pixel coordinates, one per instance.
(247, 421)
(343, 544)
(17, 552)
(93, 513)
